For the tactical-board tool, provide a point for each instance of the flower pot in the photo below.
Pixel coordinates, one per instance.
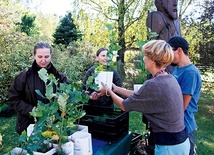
(82, 143)
(17, 151)
(50, 152)
(68, 148)
(82, 128)
(106, 77)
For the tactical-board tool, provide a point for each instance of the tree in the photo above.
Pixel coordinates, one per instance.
(47, 25)
(66, 32)
(124, 15)
(15, 46)
(27, 24)
(184, 6)
(206, 28)
(198, 28)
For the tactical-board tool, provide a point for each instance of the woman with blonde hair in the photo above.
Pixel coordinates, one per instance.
(159, 99)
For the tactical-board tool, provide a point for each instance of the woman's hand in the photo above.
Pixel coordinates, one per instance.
(114, 87)
(103, 90)
(94, 96)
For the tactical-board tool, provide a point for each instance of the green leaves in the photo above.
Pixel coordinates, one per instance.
(23, 137)
(27, 24)
(90, 82)
(99, 68)
(49, 82)
(43, 74)
(64, 108)
(62, 101)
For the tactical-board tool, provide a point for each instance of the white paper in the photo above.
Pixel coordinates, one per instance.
(106, 78)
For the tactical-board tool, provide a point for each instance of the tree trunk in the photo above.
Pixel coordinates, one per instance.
(121, 39)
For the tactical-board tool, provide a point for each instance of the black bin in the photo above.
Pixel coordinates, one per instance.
(104, 123)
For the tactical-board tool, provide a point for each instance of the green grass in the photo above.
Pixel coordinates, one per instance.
(204, 134)
(9, 136)
(205, 120)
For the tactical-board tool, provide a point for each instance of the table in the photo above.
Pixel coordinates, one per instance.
(122, 147)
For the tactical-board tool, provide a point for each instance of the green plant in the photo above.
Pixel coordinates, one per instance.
(53, 120)
(113, 46)
(142, 72)
(3, 107)
(204, 134)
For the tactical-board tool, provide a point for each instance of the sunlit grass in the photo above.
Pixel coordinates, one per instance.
(205, 119)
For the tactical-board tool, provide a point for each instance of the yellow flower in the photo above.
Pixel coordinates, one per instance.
(50, 134)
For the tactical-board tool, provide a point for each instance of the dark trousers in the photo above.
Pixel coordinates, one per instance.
(191, 136)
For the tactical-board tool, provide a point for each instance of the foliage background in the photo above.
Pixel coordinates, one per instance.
(16, 46)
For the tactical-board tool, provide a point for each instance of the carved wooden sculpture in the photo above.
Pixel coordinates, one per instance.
(164, 21)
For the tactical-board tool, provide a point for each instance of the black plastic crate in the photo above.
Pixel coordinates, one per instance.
(136, 137)
(107, 124)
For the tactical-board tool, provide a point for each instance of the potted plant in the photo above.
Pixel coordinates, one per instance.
(53, 121)
(103, 73)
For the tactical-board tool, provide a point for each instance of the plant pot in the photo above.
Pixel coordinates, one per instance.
(82, 143)
(106, 77)
(68, 148)
(50, 152)
(18, 151)
(82, 128)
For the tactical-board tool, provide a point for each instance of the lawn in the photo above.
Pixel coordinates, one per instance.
(204, 117)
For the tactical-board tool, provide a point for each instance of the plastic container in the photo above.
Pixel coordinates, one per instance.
(104, 123)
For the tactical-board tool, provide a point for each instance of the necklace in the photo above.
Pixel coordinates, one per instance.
(159, 72)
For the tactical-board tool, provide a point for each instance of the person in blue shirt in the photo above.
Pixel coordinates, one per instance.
(189, 79)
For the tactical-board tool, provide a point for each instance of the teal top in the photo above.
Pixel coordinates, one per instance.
(189, 79)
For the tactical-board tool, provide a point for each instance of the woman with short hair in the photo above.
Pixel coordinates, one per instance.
(159, 99)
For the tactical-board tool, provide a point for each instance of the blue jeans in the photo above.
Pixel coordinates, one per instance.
(191, 136)
(179, 149)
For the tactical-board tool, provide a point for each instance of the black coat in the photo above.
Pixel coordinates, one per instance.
(22, 96)
(102, 100)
